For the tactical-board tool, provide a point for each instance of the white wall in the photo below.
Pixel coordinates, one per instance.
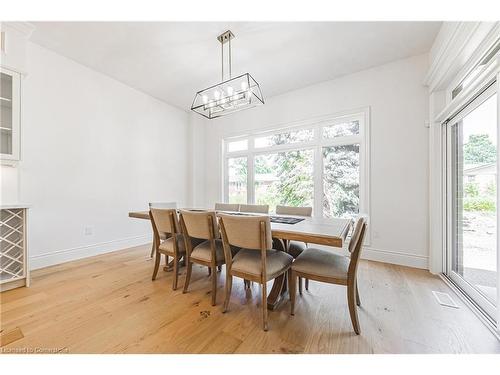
(399, 106)
(93, 149)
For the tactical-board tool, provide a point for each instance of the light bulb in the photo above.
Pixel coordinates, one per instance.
(205, 99)
(229, 90)
(216, 94)
(244, 85)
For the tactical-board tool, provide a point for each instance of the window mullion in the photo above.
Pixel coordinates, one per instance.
(250, 178)
(318, 182)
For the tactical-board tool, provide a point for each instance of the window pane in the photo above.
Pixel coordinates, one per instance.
(341, 130)
(237, 145)
(341, 180)
(294, 136)
(284, 178)
(237, 173)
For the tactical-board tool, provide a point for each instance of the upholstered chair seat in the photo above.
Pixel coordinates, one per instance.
(295, 248)
(203, 252)
(249, 262)
(322, 263)
(167, 245)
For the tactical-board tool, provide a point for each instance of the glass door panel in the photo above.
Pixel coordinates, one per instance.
(6, 119)
(473, 189)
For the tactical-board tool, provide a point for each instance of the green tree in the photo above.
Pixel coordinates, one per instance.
(341, 180)
(479, 149)
(293, 173)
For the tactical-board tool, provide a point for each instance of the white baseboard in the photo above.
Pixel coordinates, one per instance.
(66, 255)
(394, 257)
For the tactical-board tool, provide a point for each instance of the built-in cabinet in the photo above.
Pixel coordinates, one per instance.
(10, 115)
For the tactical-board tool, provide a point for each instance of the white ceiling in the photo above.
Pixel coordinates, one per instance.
(173, 60)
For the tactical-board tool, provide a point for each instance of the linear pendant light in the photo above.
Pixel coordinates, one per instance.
(228, 96)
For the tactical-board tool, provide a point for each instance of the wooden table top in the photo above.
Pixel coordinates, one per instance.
(313, 230)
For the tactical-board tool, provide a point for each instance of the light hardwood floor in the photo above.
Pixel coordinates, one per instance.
(108, 304)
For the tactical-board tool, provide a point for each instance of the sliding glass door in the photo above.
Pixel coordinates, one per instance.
(472, 201)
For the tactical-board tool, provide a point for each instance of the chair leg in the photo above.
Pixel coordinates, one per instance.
(209, 271)
(292, 287)
(214, 286)
(351, 300)
(176, 273)
(229, 286)
(264, 305)
(188, 276)
(300, 285)
(358, 300)
(157, 265)
(307, 284)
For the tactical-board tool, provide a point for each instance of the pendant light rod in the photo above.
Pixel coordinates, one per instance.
(224, 38)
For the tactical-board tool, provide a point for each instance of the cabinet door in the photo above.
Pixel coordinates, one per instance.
(10, 114)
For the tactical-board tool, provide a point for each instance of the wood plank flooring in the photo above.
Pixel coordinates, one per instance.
(108, 304)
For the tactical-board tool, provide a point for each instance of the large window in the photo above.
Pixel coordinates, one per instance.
(321, 163)
(284, 178)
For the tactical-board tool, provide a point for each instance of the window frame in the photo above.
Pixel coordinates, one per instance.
(317, 144)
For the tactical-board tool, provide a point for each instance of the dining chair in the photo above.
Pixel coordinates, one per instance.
(210, 253)
(165, 221)
(227, 207)
(163, 236)
(255, 208)
(295, 248)
(257, 260)
(326, 266)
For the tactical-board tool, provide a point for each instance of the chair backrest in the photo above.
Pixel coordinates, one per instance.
(294, 211)
(227, 207)
(245, 231)
(255, 208)
(357, 236)
(162, 204)
(356, 243)
(165, 220)
(197, 224)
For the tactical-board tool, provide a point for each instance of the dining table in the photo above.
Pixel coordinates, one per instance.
(285, 228)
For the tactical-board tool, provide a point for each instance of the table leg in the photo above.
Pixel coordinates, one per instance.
(170, 265)
(279, 288)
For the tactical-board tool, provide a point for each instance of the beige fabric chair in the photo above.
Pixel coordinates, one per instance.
(227, 207)
(294, 211)
(210, 253)
(163, 236)
(295, 248)
(165, 220)
(257, 260)
(328, 267)
(255, 208)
